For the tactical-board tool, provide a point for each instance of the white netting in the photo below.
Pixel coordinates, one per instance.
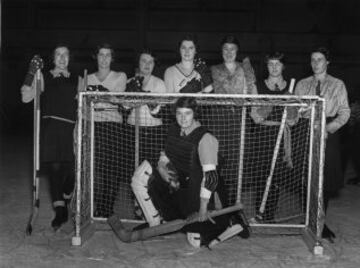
(109, 151)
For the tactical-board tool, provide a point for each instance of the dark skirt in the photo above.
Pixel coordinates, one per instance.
(333, 175)
(56, 143)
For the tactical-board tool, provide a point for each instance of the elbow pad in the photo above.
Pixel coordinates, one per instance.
(211, 180)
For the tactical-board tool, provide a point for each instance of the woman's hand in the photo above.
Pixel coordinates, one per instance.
(203, 211)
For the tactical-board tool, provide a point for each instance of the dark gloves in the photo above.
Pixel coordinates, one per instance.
(135, 84)
(204, 71)
(211, 180)
(35, 64)
(173, 178)
(193, 86)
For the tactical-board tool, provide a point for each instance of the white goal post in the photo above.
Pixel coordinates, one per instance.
(108, 150)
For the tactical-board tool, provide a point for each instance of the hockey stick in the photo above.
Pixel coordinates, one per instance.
(128, 236)
(275, 155)
(36, 160)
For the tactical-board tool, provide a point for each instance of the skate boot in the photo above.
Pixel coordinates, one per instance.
(328, 234)
(61, 217)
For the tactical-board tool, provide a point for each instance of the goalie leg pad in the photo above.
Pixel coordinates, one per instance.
(194, 239)
(139, 185)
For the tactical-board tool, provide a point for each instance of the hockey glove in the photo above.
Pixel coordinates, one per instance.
(173, 177)
(135, 84)
(204, 71)
(193, 86)
(35, 64)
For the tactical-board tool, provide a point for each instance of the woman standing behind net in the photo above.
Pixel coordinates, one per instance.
(265, 135)
(190, 75)
(229, 78)
(108, 130)
(337, 113)
(151, 126)
(58, 111)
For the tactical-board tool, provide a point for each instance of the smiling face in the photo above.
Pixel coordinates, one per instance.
(229, 52)
(187, 50)
(185, 117)
(104, 58)
(275, 67)
(61, 58)
(146, 64)
(319, 63)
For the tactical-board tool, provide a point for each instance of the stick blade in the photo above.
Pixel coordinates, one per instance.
(28, 229)
(115, 223)
(32, 219)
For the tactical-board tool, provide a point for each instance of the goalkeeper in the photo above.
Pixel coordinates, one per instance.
(186, 182)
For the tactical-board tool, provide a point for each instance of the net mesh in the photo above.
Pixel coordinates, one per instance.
(247, 129)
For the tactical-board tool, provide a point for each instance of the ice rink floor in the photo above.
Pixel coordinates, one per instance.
(48, 249)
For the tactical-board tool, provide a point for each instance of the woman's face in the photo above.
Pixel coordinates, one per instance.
(187, 50)
(275, 67)
(104, 58)
(229, 52)
(318, 63)
(185, 117)
(61, 58)
(146, 64)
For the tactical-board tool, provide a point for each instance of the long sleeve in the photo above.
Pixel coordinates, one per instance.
(342, 107)
(28, 93)
(335, 94)
(168, 79)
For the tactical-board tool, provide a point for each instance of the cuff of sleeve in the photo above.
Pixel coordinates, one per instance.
(205, 193)
(333, 126)
(208, 167)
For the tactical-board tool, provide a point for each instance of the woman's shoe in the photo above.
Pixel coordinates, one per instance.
(61, 217)
(328, 234)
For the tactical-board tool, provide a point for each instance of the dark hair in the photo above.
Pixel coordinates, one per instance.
(147, 51)
(187, 102)
(322, 50)
(189, 37)
(275, 56)
(230, 39)
(58, 46)
(106, 46)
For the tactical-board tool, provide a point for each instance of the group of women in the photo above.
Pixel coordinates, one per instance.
(189, 75)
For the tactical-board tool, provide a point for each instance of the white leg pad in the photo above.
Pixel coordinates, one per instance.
(228, 233)
(194, 239)
(139, 185)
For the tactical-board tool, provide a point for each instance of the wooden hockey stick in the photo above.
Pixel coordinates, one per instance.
(275, 155)
(36, 160)
(128, 236)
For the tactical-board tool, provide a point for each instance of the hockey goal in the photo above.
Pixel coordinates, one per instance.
(271, 151)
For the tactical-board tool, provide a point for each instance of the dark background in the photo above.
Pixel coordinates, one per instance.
(291, 26)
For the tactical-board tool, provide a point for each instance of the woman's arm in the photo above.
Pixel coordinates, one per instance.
(343, 113)
(208, 154)
(168, 79)
(28, 92)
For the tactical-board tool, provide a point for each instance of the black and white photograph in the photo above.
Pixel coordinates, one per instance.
(180, 133)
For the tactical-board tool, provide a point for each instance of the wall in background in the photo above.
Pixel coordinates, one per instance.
(291, 26)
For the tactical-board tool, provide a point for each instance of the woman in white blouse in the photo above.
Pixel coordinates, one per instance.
(188, 75)
(151, 130)
(108, 131)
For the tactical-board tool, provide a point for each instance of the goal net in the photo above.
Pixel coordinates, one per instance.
(270, 151)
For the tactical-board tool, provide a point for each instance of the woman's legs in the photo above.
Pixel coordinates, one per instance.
(62, 179)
